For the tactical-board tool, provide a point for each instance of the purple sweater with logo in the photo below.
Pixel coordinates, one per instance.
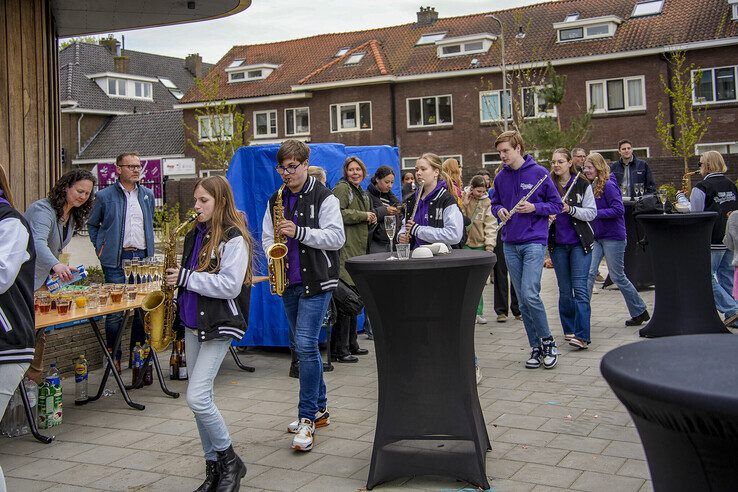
(610, 221)
(512, 185)
(187, 299)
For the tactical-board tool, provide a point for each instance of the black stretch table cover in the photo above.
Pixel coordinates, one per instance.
(682, 393)
(429, 420)
(680, 251)
(638, 267)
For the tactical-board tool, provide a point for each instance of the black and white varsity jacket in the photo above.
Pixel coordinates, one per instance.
(17, 267)
(319, 233)
(445, 221)
(223, 299)
(583, 210)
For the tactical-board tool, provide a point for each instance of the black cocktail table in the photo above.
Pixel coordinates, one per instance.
(680, 251)
(429, 420)
(682, 393)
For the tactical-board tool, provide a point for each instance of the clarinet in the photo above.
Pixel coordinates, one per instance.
(525, 198)
(417, 202)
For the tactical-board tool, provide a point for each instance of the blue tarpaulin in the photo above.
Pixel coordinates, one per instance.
(253, 178)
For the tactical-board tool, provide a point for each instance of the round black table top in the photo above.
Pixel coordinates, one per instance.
(694, 371)
(456, 258)
(687, 218)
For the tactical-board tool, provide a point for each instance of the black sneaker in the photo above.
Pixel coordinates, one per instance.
(536, 354)
(550, 353)
(638, 320)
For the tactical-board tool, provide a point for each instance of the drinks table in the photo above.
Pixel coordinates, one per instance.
(429, 420)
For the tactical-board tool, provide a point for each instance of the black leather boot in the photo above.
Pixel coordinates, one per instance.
(212, 474)
(232, 470)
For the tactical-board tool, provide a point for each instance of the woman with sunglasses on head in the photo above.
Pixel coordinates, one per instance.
(214, 283)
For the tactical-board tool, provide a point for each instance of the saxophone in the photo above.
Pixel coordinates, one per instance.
(687, 181)
(159, 305)
(277, 252)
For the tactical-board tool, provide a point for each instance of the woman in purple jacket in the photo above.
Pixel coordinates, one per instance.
(610, 238)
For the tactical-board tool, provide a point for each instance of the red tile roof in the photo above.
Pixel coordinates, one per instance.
(393, 51)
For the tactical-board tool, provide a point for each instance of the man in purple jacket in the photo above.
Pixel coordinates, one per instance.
(524, 237)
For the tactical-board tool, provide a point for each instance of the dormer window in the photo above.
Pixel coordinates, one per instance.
(572, 17)
(594, 28)
(341, 52)
(125, 86)
(649, 7)
(430, 38)
(354, 59)
(245, 73)
(464, 45)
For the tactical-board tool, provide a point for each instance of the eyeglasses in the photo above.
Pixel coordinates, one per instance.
(131, 167)
(287, 170)
(580, 155)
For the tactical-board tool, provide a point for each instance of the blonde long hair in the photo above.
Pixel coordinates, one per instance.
(5, 186)
(225, 216)
(603, 171)
(436, 163)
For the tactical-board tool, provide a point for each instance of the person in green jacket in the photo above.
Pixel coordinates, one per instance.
(358, 217)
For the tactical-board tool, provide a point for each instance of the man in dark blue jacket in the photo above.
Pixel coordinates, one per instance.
(121, 227)
(630, 170)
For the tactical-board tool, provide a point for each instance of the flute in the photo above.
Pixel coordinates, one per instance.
(566, 195)
(525, 198)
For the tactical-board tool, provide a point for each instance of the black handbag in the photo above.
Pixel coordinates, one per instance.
(348, 301)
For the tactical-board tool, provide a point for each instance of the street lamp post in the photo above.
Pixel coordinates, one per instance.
(504, 71)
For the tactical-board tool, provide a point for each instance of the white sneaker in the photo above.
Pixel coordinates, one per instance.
(478, 371)
(322, 419)
(303, 440)
(481, 320)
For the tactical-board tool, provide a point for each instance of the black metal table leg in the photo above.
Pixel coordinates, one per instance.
(160, 376)
(29, 416)
(110, 367)
(240, 364)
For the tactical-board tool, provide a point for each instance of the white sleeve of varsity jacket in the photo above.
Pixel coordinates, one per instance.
(451, 233)
(588, 210)
(267, 230)
(227, 283)
(330, 236)
(13, 251)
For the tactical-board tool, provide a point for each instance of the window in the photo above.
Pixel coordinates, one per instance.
(723, 148)
(235, 63)
(215, 127)
(606, 96)
(265, 124)
(571, 34)
(652, 7)
(341, 52)
(236, 76)
(430, 38)
(572, 17)
(574, 29)
(715, 85)
(171, 87)
(409, 162)
(598, 31)
(354, 59)
(429, 111)
(612, 155)
(734, 6)
(535, 104)
(463, 49)
(297, 121)
(464, 45)
(116, 87)
(142, 89)
(491, 159)
(493, 106)
(254, 74)
(350, 117)
(243, 73)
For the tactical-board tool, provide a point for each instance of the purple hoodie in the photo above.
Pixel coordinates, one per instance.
(510, 186)
(564, 228)
(610, 221)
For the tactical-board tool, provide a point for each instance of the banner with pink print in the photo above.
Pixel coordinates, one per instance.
(151, 177)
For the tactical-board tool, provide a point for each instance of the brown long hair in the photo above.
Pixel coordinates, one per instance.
(225, 216)
(603, 172)
(58, 196)
(5, 186)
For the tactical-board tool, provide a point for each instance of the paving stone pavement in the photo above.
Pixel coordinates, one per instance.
(550, 429)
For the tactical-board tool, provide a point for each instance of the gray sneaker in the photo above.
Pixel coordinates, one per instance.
(534, 362)
(550, 353)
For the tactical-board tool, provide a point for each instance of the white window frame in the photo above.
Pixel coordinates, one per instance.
(696, 102)
(537, 114)
(130, 89)
(462, 42)
(458, 157)
(265, 68)
(713, 144)
(269, 134)
(635, 14)
(626, 100)
(734, 8)
(638, 151)
(355, 58)
(228, 119)
(611, 21)
(341, 52)
(429, 125)
(574, 16)
(430, 38)
(357, 107)
(491, 163)
(294, 121)
(499, 107)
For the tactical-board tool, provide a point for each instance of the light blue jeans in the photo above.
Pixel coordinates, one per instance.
(203, 362)
(305, 317)
(722, 281)
(571, 265)
(614, 252)
(525, 264)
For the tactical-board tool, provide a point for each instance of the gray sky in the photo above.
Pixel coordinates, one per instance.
(279, 20)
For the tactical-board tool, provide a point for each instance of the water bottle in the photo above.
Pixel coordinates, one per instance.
(14, 423)
(32, 392)
(80, 380)
(137, 362)
(53, 376)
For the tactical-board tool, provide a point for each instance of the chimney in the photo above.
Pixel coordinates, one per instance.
(111, 44)
(426, 16)
(121, 63)
(193, 63)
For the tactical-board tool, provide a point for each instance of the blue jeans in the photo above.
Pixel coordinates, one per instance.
(305, 317)
(722, 281)
(203, 362)
(525, 264)
(571, 265)
(114, 322)
(614, 252)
